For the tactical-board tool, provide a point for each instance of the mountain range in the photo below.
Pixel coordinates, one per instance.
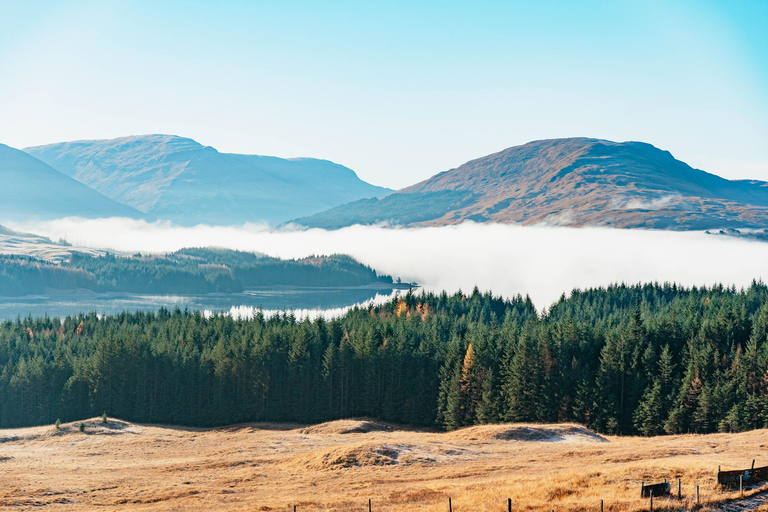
(574, 182)
(178, 179)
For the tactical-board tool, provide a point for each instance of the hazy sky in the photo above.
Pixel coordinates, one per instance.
(395, 90)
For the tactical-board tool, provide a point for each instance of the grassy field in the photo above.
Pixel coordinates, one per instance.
(340, 465)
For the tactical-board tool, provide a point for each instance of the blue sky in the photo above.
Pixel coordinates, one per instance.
(395, 90)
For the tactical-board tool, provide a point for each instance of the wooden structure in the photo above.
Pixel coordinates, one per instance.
(662, 489)
(742, 476)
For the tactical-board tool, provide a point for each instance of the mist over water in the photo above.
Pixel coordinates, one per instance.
(303, 303)
(248, 312)
(543, 262)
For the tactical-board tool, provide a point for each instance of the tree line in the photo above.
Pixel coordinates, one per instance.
(646, 359)
(184, 272)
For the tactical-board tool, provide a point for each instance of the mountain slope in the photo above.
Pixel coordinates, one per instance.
(39, 247)
(178, 179)
(33, 190)
(576, 182)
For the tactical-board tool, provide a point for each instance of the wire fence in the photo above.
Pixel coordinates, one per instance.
(660, 491)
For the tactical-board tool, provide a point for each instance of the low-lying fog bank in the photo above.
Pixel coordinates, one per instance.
(543, 262)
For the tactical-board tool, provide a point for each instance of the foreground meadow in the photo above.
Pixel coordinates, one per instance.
(342, 464)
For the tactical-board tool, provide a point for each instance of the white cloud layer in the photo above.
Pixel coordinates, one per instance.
(543, 262)
(248, 312)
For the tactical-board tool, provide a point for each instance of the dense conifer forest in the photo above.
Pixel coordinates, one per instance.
(647, 359)
(184, 272)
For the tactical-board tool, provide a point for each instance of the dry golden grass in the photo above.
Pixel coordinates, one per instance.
(361, 426)
(340, 465)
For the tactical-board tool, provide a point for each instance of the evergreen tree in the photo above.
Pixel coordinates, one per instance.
(643, 359)
(522, 375)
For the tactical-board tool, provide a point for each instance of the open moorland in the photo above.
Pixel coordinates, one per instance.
(342, 464)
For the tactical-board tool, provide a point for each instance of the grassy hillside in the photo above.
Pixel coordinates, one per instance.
(394, 209)
(574, 182)
(341, 465)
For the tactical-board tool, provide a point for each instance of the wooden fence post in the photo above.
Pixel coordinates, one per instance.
(601, 505)
(369, 504)
(679, 489)
(741, 484)
(651, 501)
(697, 494)
(450, 505)
(753, 463)
(509, 504)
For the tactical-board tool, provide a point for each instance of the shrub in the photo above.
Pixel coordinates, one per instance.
(81, 427)
(104, 417)
(57, 424)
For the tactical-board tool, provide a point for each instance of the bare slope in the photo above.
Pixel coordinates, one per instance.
(33, 190)
(36, 246)
(176, 178)
(575, 182)
(121, 466)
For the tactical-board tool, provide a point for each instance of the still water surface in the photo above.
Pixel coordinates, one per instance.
(307, 302)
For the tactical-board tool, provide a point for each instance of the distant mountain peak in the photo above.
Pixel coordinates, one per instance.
(141, 146)
(179, 179)
(576, 181)
(148, 138)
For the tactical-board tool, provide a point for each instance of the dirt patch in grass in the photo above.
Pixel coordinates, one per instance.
(384, 454)
(93, 426)
(528, 433)
(353, 426)
(369, 454)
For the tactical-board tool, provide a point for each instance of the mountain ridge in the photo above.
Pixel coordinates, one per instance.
(578, 182)
(33, 190)
(179, 179)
